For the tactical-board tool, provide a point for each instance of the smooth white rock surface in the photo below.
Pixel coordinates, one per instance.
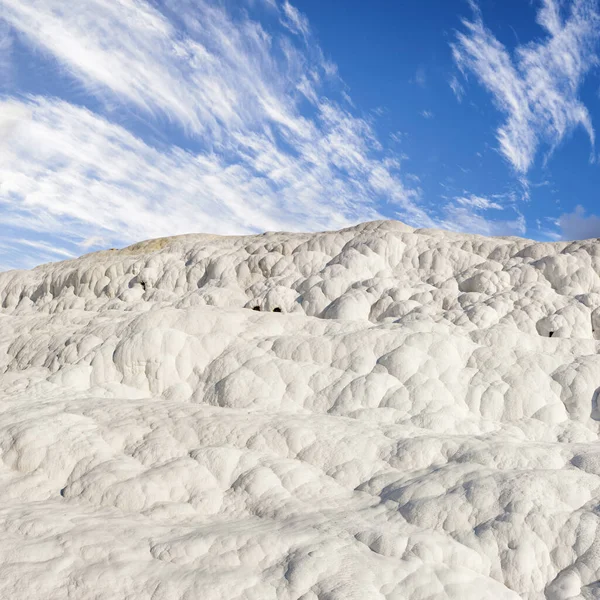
(406, 428)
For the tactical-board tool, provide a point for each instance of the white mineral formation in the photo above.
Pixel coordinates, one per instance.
(420, 421)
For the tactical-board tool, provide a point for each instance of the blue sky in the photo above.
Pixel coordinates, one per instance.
(122, 120)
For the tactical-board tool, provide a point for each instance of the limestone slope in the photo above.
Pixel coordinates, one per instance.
(419, 421)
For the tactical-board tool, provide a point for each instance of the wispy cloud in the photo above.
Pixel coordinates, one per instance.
(457, 88)
(478, 202)
(467, 213)
(196, 65)
(65, 164)
(64, 169)
(294, 20)
(427, 114)
(537, 86)
(271, 150)
(20, 254)
(578, 226)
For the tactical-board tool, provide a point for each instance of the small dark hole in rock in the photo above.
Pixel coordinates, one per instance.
(143, 285)
(62, 492)
(277, 309)
(256, 308)
(551, 334)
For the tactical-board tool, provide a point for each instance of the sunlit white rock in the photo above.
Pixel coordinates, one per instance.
(419, 421)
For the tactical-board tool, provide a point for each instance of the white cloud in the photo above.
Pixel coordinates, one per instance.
(45, 246)
(463, 220)
(578, 226)
(236, 89)
(199, 67)
(466, 213)
(64, 169)
(25, 254)
(537, 88)
(294, 20)
(478, 202)
(398, 136)
(260, 162)
(457, 88)
(427, 114)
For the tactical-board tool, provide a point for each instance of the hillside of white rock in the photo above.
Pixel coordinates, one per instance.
(419, 421)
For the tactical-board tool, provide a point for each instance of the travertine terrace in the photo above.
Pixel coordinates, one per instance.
(419, 422)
